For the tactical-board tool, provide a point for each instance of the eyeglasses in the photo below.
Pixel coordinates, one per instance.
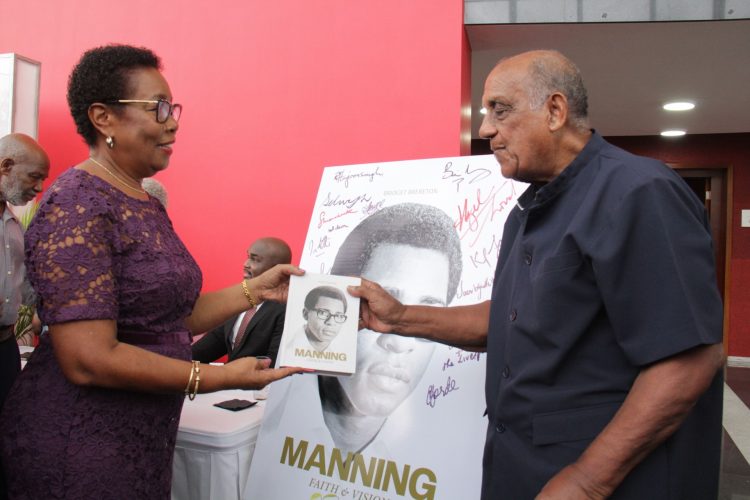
(325, 314)
(164, 109)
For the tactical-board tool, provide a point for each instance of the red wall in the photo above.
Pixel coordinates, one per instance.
(720, 150)
(272, 93)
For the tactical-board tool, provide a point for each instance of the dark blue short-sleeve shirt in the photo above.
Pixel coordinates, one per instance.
(602, 271)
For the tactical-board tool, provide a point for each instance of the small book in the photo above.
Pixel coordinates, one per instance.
(321, 324)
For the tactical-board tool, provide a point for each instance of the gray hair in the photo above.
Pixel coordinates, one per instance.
(553, 72)
(155, 189)
(20, 147)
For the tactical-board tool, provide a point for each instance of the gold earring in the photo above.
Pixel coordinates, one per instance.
(110, 142)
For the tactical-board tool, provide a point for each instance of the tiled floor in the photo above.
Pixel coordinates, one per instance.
(735, 469)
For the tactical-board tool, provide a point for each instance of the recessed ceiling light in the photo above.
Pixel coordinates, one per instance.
(673, 133)
(679, 106)
(483, 111)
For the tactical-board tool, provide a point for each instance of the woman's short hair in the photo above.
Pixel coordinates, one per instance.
(102, 75)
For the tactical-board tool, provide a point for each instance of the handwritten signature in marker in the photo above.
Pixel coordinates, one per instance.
(341, 176)
(436, 392)
(457, 176)
(475, 213)
(324, 219)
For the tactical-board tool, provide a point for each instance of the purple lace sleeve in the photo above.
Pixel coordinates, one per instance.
(69, 257)
(93, 252)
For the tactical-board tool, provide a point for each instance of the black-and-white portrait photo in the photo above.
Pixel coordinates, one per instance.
(414, 252)
(324, 314)
(320, 327)
(427, 233)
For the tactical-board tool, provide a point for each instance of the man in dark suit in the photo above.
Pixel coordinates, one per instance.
(256, 332)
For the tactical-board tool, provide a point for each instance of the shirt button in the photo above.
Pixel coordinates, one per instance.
(506, 371)
(513, 314)
(499, 428)
(527, 259)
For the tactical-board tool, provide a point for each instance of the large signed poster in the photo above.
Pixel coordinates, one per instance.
(410, 422)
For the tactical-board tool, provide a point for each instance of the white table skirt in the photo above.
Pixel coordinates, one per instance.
(214, 447)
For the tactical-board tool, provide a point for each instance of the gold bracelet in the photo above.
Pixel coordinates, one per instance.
(197, 370)
(247, 294)
(190, 380)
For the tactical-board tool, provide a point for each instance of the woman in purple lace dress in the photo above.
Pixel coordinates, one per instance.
(120, 294)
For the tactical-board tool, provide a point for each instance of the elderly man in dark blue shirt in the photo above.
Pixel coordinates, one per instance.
(604, 328)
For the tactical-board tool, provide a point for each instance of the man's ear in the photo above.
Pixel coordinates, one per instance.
(557, 109)
(6, 165)
(101, 117)
(304, 313)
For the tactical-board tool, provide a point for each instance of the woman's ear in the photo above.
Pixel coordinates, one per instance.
(101, 117)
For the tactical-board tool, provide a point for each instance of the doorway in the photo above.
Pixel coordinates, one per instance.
(710, 186)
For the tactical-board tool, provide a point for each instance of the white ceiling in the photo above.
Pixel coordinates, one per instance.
(631, 69)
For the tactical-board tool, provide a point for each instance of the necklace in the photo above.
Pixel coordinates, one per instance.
(141, 191)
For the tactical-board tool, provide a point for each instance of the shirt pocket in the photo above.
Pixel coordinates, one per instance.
(561, 262)
(572, 425)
